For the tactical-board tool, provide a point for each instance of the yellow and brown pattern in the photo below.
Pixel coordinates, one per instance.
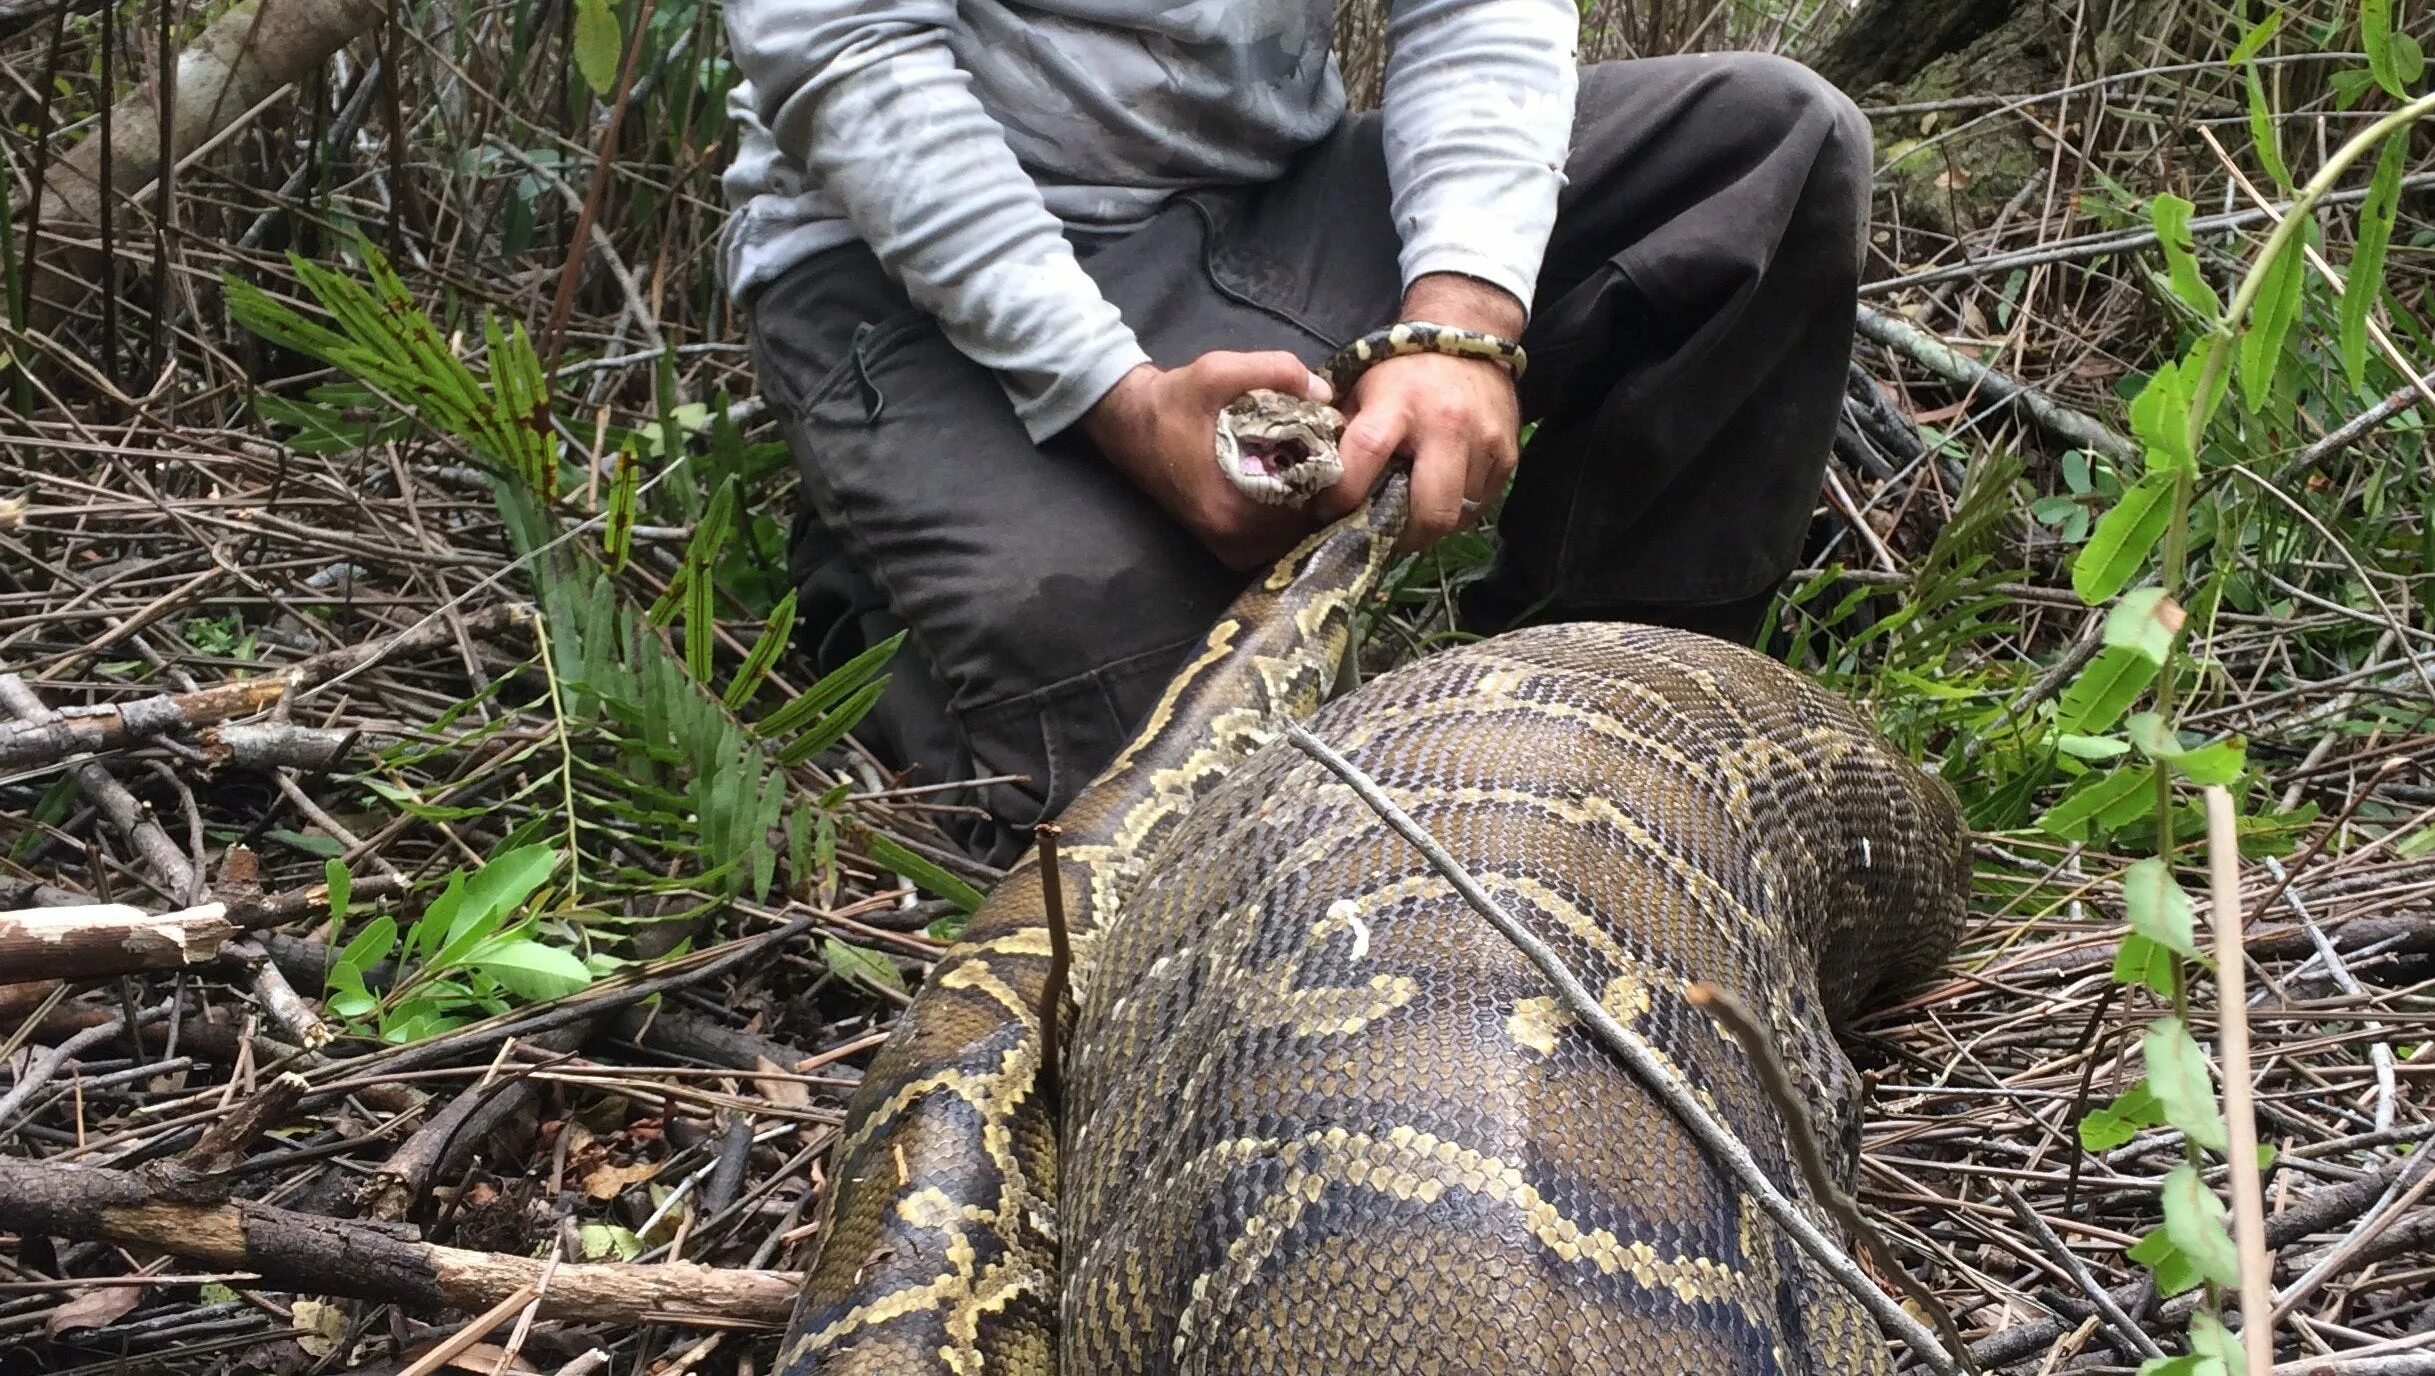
(1317, 1116)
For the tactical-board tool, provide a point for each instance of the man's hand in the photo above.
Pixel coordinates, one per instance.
(1459, 418)
(1159, 427)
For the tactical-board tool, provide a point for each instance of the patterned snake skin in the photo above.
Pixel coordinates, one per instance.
(1317, 1118)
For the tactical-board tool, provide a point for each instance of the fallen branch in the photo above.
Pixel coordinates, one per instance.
(131, 817)
(64, 733)
(2073, 427)
(108, 939)
(309, 1254)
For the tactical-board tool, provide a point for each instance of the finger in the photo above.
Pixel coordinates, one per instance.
(1370, 441)
(1223, 376)
(1441, 468)
(1492, 473)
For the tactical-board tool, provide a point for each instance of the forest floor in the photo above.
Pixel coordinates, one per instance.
(392, 621)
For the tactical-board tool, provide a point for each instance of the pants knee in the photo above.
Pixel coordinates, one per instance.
(1793, 105)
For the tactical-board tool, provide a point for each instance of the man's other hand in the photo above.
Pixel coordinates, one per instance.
(1159, 427)
(1459, 419)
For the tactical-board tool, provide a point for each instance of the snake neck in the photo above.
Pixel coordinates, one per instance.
(1271, 659)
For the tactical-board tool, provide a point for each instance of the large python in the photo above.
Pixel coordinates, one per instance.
(1316, 1117)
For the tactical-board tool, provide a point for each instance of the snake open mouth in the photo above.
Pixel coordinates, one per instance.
(1273, 456)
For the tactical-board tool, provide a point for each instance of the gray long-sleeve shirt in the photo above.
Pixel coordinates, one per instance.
(960, 138)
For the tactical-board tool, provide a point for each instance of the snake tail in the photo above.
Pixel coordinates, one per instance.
(939, 1241)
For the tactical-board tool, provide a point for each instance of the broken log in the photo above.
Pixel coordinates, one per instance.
(313, 1255)
(107, 939)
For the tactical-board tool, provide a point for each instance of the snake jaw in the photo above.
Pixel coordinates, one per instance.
(1279, 450)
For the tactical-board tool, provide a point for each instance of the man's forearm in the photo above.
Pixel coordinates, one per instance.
(867, 93)
(1450, 298)
(1478, 123)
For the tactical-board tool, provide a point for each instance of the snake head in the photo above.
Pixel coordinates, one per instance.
(1279, 450)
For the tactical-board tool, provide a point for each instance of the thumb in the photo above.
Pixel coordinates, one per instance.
(1223, 376)
(1370, 440)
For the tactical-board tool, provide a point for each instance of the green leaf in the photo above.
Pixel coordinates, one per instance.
(832, 728)
(2194, 1220)
(2171, 215)
(2210, 1340)
(2104, 690)
(597, 44)
(2142, 962)
(764, 654)
(2071, 817)
(853, 962)
(324, 846)
(2178, 1073)
(503, 882)
(2118, 548)
(531, 970)
(2409, 59)
(834, 687)
(2174, 1272)
(346, 996)
(2113, 1124)
(2158, 908)
(2160, 416)
(2376, 35)
(341, 887)
(617, 523)
(2264, 133)
(2092, 748)
(2365, 284)
(2254, 42)
(2271, 318)
(2146, 620)
(603, 1241)
(370, 946)
(431, 930)
(2218, 763)
(920, 870)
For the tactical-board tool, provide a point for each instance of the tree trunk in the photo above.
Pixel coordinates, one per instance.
(1887, 42)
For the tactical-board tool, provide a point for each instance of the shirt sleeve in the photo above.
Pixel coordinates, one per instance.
(1478, 113)
(869, 96)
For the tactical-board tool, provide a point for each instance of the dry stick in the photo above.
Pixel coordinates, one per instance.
(108, 939)
(1627, 1045)
(2232, 1015)
(2400, 399)
(1060, 957)
(128, 815)
(1801, 1134)
(2086, 1279)
(2316, 1211)
(2379, 1053)
(30, 742)
(1938, 357)
(354, 1257)
(40, 1072)
(2098, 245)
(445, 1354)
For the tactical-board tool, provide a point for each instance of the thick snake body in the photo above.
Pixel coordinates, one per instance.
(1316, 1116)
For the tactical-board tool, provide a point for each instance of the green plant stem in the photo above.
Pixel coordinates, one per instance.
(566, 760)
(2202, 406)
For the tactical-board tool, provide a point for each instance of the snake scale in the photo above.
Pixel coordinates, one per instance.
(1314, 1116)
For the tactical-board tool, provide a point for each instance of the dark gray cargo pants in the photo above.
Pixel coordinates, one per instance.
(1687, 356)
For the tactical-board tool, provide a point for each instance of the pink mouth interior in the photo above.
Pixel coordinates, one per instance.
(1272, 456)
